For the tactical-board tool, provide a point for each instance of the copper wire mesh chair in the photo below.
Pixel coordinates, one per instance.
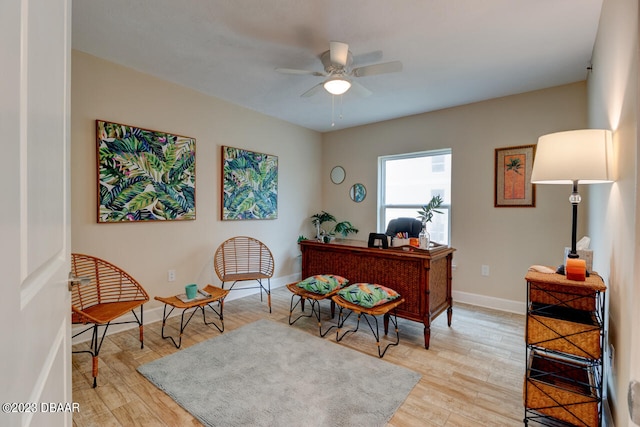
(244, 258)
(110, 294)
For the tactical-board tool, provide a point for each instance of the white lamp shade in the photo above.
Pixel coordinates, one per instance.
(579, 155)
(337, 85)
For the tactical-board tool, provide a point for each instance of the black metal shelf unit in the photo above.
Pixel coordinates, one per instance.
(564, 351)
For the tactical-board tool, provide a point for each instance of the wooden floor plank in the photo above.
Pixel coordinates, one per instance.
(471, 375)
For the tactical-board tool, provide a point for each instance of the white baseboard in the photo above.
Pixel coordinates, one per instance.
(155, 314)
(494, 303)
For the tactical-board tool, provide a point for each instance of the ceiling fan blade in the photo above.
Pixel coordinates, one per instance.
(312, 91)
(339, 53)
(370, 70)
(359, 90)
(367, 58)
(301, 72)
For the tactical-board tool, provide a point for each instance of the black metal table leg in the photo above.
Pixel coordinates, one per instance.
(317, 312)
(183, 324)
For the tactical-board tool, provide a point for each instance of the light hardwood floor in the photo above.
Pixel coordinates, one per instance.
(472, 374)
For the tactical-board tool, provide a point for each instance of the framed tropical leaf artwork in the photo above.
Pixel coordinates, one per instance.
(249, 185)
(513, 187)
(144, 175)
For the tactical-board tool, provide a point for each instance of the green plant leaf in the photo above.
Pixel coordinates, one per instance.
(427, 211)
(322, 217)
(344, 228)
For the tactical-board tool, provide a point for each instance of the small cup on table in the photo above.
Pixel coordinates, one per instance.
(191, 290)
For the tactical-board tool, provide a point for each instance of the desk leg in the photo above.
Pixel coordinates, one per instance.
(449, 314)
(385, 319)
(427, 333)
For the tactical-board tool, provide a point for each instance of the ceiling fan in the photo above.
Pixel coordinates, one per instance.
(339, 75)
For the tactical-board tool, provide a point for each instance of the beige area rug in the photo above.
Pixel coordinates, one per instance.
(270, 374)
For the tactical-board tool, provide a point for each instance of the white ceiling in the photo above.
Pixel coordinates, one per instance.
(453, 52)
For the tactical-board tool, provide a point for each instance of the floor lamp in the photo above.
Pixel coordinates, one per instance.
(578, 156)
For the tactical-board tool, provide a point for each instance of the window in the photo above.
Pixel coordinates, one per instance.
(408, 182)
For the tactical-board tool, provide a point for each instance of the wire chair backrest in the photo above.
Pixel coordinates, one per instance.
(243, 255)
(108, 283)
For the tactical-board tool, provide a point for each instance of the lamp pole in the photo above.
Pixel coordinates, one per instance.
(575, 200)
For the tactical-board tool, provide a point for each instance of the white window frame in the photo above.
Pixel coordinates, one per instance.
(382, 205)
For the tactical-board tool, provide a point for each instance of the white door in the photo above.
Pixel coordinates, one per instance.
(35, 362)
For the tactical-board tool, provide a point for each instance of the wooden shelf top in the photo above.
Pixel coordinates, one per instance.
(594, 281)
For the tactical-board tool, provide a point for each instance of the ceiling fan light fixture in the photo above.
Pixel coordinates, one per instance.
(337, 85)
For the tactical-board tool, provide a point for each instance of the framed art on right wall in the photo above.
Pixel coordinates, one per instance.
(512, 183)
(249, 185)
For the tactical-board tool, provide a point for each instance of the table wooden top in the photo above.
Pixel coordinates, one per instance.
(216, 295)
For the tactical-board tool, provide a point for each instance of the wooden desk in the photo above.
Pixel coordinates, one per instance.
(422, 278)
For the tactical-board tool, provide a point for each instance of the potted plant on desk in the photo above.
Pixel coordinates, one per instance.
(320, 218)
(343, 227)
(426, 215)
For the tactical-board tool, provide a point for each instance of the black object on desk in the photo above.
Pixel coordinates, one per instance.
(377, 240)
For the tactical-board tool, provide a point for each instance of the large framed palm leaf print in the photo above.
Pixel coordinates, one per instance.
(249, 185)
(144, 175)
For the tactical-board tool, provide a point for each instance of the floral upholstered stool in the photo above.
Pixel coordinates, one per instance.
(369, 300)
(315, 289)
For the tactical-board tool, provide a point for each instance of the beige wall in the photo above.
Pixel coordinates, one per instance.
(103, 90)
(614, 211)
(481, 233)
(509, 240)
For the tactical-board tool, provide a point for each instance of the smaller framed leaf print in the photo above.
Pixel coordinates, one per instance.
(513, 187)
(249, 185)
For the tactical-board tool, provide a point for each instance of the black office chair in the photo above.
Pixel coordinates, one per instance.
(411, 226)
